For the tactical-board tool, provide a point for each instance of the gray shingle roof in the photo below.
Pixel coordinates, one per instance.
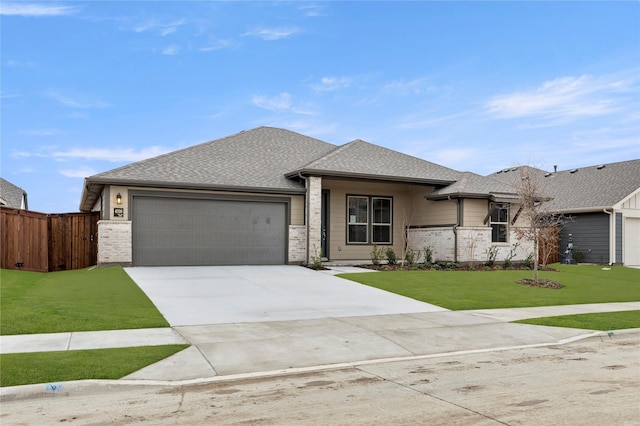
(257, 158)
(12, 194)
(362, 159)
(587, 188)
(473, 185)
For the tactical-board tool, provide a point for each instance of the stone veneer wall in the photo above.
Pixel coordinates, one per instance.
(473, 244)
(441, 240)
(297, 244)
(114, 242)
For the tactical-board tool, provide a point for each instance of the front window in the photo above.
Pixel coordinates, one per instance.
(369, 220)
(358, 220)
(499, 222)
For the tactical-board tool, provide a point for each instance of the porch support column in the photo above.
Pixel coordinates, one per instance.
(314, 216)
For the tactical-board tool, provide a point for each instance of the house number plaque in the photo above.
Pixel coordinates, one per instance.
(118, 212)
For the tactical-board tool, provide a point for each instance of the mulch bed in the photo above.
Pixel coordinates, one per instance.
(542, 283)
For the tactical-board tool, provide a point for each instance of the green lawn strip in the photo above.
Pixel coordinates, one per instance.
(81, 300)
(463, 290)
(46, 367)
(604, 321)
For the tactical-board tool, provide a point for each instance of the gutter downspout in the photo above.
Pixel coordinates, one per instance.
(612, 241)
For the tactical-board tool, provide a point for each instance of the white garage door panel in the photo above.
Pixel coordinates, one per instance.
(182, 231)
(632, 241)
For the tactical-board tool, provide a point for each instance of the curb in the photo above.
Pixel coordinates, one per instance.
(77, 387)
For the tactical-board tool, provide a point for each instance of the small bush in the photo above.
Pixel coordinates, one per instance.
(492, 252)
(428, 256)
(410, 257)
(578, 256)
(436, 267)
(376, 254)
(316, 259)
(391, 256)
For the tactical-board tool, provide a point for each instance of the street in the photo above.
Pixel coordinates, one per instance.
(589, 382)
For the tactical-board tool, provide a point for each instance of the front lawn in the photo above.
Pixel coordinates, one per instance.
(81, 300)
(603, 321)
(464, 290)
(46, 367)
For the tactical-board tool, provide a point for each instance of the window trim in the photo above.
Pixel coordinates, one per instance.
(492, 208)
(370, 223)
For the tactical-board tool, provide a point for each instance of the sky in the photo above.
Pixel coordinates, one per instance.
(88, 86)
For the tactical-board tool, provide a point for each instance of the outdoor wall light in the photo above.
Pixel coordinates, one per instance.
(118, 199)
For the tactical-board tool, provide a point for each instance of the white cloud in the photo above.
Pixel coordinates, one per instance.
(172, 49)
(281, 102)
(329, 84)
(311, 10)
(216, 45)
(270, 34)
(413, 87)
(113, 155)
(565, 98)
(163, 29)
(39, 132)
(34, 9)
(81, 102)
(82, 172)
(19, 64)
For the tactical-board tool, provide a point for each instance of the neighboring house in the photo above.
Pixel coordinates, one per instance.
(603, 202)
(12, 196)
(272, 196)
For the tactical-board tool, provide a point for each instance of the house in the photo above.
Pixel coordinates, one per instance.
(12, 196)
(273, 196)
(603, 202)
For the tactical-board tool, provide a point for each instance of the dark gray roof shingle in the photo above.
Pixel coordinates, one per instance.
(473, 185)
(587, 188)
(257, 158)
(362, 159)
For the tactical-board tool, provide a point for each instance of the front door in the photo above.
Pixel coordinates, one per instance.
(324, 237)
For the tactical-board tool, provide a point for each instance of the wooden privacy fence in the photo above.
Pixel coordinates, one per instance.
(41, 242)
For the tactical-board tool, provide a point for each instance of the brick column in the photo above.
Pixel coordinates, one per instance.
(314, 215)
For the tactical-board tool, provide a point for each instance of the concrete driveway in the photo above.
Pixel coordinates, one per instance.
(245, 294)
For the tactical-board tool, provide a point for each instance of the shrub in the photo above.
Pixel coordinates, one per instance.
(410, 257)
(391, 256)
(528, 262)
(578, 256)
(492, 252)
(376, 254)
(428, 256)
(316, 258)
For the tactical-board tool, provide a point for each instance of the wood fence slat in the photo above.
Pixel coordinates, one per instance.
(42, 242)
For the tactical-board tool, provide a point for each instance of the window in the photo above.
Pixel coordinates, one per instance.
(499, 222)
(369, 220)
(358, 219)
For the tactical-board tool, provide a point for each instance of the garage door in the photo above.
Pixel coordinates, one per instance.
(185, 231)
(632, 241)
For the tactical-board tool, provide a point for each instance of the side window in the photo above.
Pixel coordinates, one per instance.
(499, 223)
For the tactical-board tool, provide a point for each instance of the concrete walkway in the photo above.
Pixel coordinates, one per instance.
(257, 347)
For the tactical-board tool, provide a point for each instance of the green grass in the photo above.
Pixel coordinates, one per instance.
(604, 321)
(81, 300)
(48, 367)
(462, 290)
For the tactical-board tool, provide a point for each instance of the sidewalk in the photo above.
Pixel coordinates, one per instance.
(256, 348)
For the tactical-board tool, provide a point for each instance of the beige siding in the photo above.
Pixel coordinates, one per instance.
(408, 207)
(632, 203)
(475, 211)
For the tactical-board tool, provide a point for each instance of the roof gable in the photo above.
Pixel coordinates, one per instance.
(257, 158)
(472, 185)
(363, 159)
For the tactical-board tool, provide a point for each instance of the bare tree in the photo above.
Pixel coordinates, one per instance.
(540, 225)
